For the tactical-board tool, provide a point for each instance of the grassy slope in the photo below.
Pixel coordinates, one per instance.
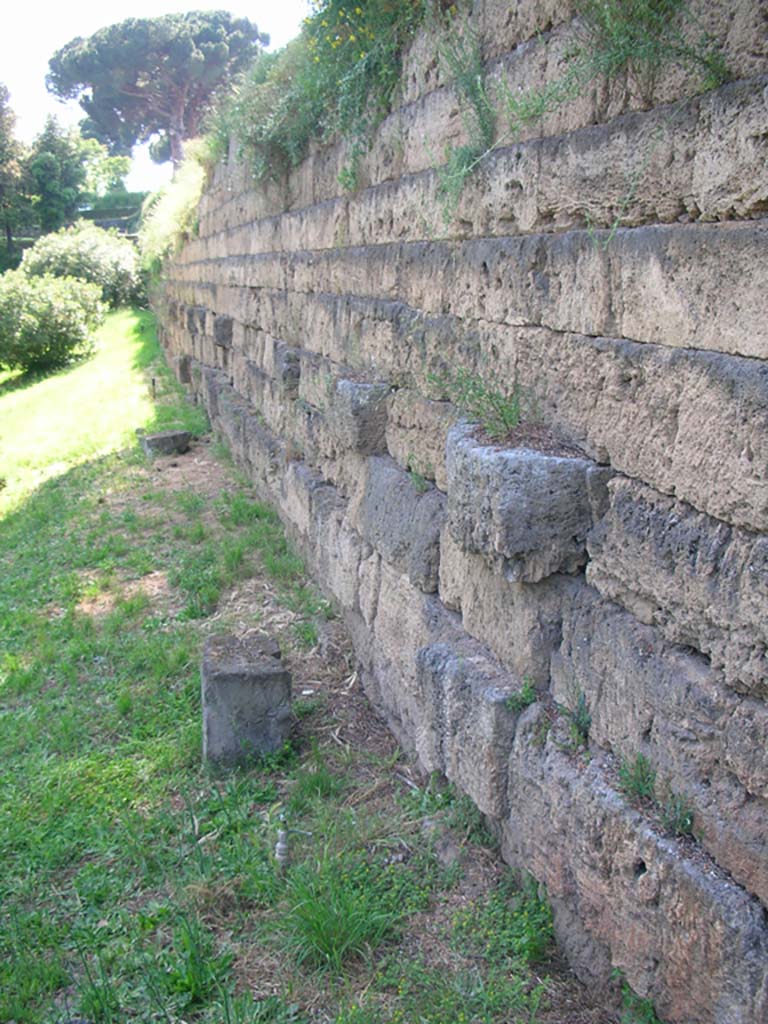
(49, 425)
(135, 885)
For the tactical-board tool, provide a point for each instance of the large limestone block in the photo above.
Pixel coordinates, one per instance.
(417, 432)
(648, 696)
(519, 622)
(246, 699)
(405, 620)
(401, 521)
(682, 932)
(520, 507)
(336, 549)
(474, 727)
(702, 582)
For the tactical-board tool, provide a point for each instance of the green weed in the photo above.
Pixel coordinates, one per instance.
(523, 699)
(580, 721)
(677, 814)
(338, 912)
(496, 411)
(511, 924)
(637, 778)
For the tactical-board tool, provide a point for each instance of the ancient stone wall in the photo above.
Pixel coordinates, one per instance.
(613, 261)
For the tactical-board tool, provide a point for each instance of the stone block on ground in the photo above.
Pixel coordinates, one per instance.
(168, 442)
(246, 698)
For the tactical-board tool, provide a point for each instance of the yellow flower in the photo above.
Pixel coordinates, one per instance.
(352, 39)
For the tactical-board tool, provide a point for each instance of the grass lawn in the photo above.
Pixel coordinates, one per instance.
(137, 885)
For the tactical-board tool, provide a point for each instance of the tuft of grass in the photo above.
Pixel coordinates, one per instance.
(580, 721)
(497, 412)
(637, 779)
(523, 699)
(337, 912)
(677, 814)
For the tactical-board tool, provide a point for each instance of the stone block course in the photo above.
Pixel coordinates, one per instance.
(647, 696)
(702, 582)
(679, 928)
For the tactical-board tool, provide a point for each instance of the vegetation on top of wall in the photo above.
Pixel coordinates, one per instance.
(337, 77)
(620, 40)
(169, 216)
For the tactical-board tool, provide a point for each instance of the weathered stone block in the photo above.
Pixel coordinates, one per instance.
(167, 442)
(183, 367)
(471, 739)
(706, 743)
(196, 319)
(400, 521)
(336, 548)
(246, 696)
(417, 432)
(222, 331)
(702, 582)
(519, 622)
(529, 510)
(358, 416)
(679, 928)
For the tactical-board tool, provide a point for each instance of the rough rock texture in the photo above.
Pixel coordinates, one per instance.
(682, 932)
(246, 698)
(529, 510)
(402, 521)
(168, 442)
(608, 258)
(702, 582)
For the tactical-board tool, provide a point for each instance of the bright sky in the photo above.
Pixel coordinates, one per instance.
(32, 34)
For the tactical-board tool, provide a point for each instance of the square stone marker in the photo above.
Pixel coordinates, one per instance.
(246, 696)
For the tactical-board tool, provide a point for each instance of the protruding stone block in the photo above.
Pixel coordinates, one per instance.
(168, 442)
(358, 416)
(531, 510)
(246, 696)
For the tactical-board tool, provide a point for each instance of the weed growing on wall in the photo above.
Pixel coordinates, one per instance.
(497, 412)
(169, 216)
(632, 39)
(337, 78)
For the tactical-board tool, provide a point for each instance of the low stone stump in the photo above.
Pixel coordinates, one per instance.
(168, 442)
(246, 696)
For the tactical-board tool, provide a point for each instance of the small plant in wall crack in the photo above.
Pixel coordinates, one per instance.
(580, 721)
(523, 699)
(637, 779)
(498, 412)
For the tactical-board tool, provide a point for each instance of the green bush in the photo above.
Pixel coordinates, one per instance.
(46, 321)
(90, 254)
